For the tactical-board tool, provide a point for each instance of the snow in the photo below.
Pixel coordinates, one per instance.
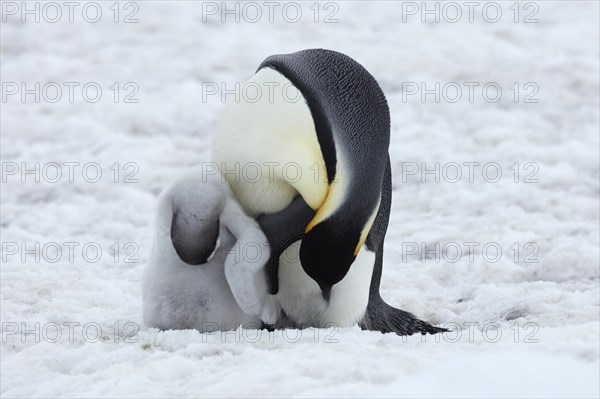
(546, 311)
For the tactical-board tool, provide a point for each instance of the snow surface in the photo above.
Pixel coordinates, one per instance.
(169, 53)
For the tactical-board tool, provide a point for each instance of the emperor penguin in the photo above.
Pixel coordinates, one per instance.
(206, 268)
(309, 159)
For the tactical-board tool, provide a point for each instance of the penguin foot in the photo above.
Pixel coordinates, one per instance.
(382, 317)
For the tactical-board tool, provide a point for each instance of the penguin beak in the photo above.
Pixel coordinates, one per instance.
(325, 290)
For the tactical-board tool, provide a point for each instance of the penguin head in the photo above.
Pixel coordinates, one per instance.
(337, 233)
(326, 257)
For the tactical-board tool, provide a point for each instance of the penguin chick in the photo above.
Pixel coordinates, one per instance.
(206, 268)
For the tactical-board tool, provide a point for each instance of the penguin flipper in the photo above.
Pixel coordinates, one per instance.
(382, 317)
(245, 273)
(283, 229)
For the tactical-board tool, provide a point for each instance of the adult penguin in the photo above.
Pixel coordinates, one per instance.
(319, 129)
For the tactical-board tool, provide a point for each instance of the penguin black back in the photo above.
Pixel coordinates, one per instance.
(352, 123)
(335, 86)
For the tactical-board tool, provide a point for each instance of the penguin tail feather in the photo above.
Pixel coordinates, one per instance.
(382, 317)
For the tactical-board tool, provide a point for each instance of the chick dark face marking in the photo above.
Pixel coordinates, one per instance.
(195, 225)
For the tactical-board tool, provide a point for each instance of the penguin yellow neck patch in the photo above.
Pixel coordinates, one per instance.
(334, 199)
(367, 229)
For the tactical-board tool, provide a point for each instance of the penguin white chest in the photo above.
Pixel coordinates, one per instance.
(300, 297)
(268, 150)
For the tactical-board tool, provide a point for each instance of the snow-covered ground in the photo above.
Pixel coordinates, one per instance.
(526, 321)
